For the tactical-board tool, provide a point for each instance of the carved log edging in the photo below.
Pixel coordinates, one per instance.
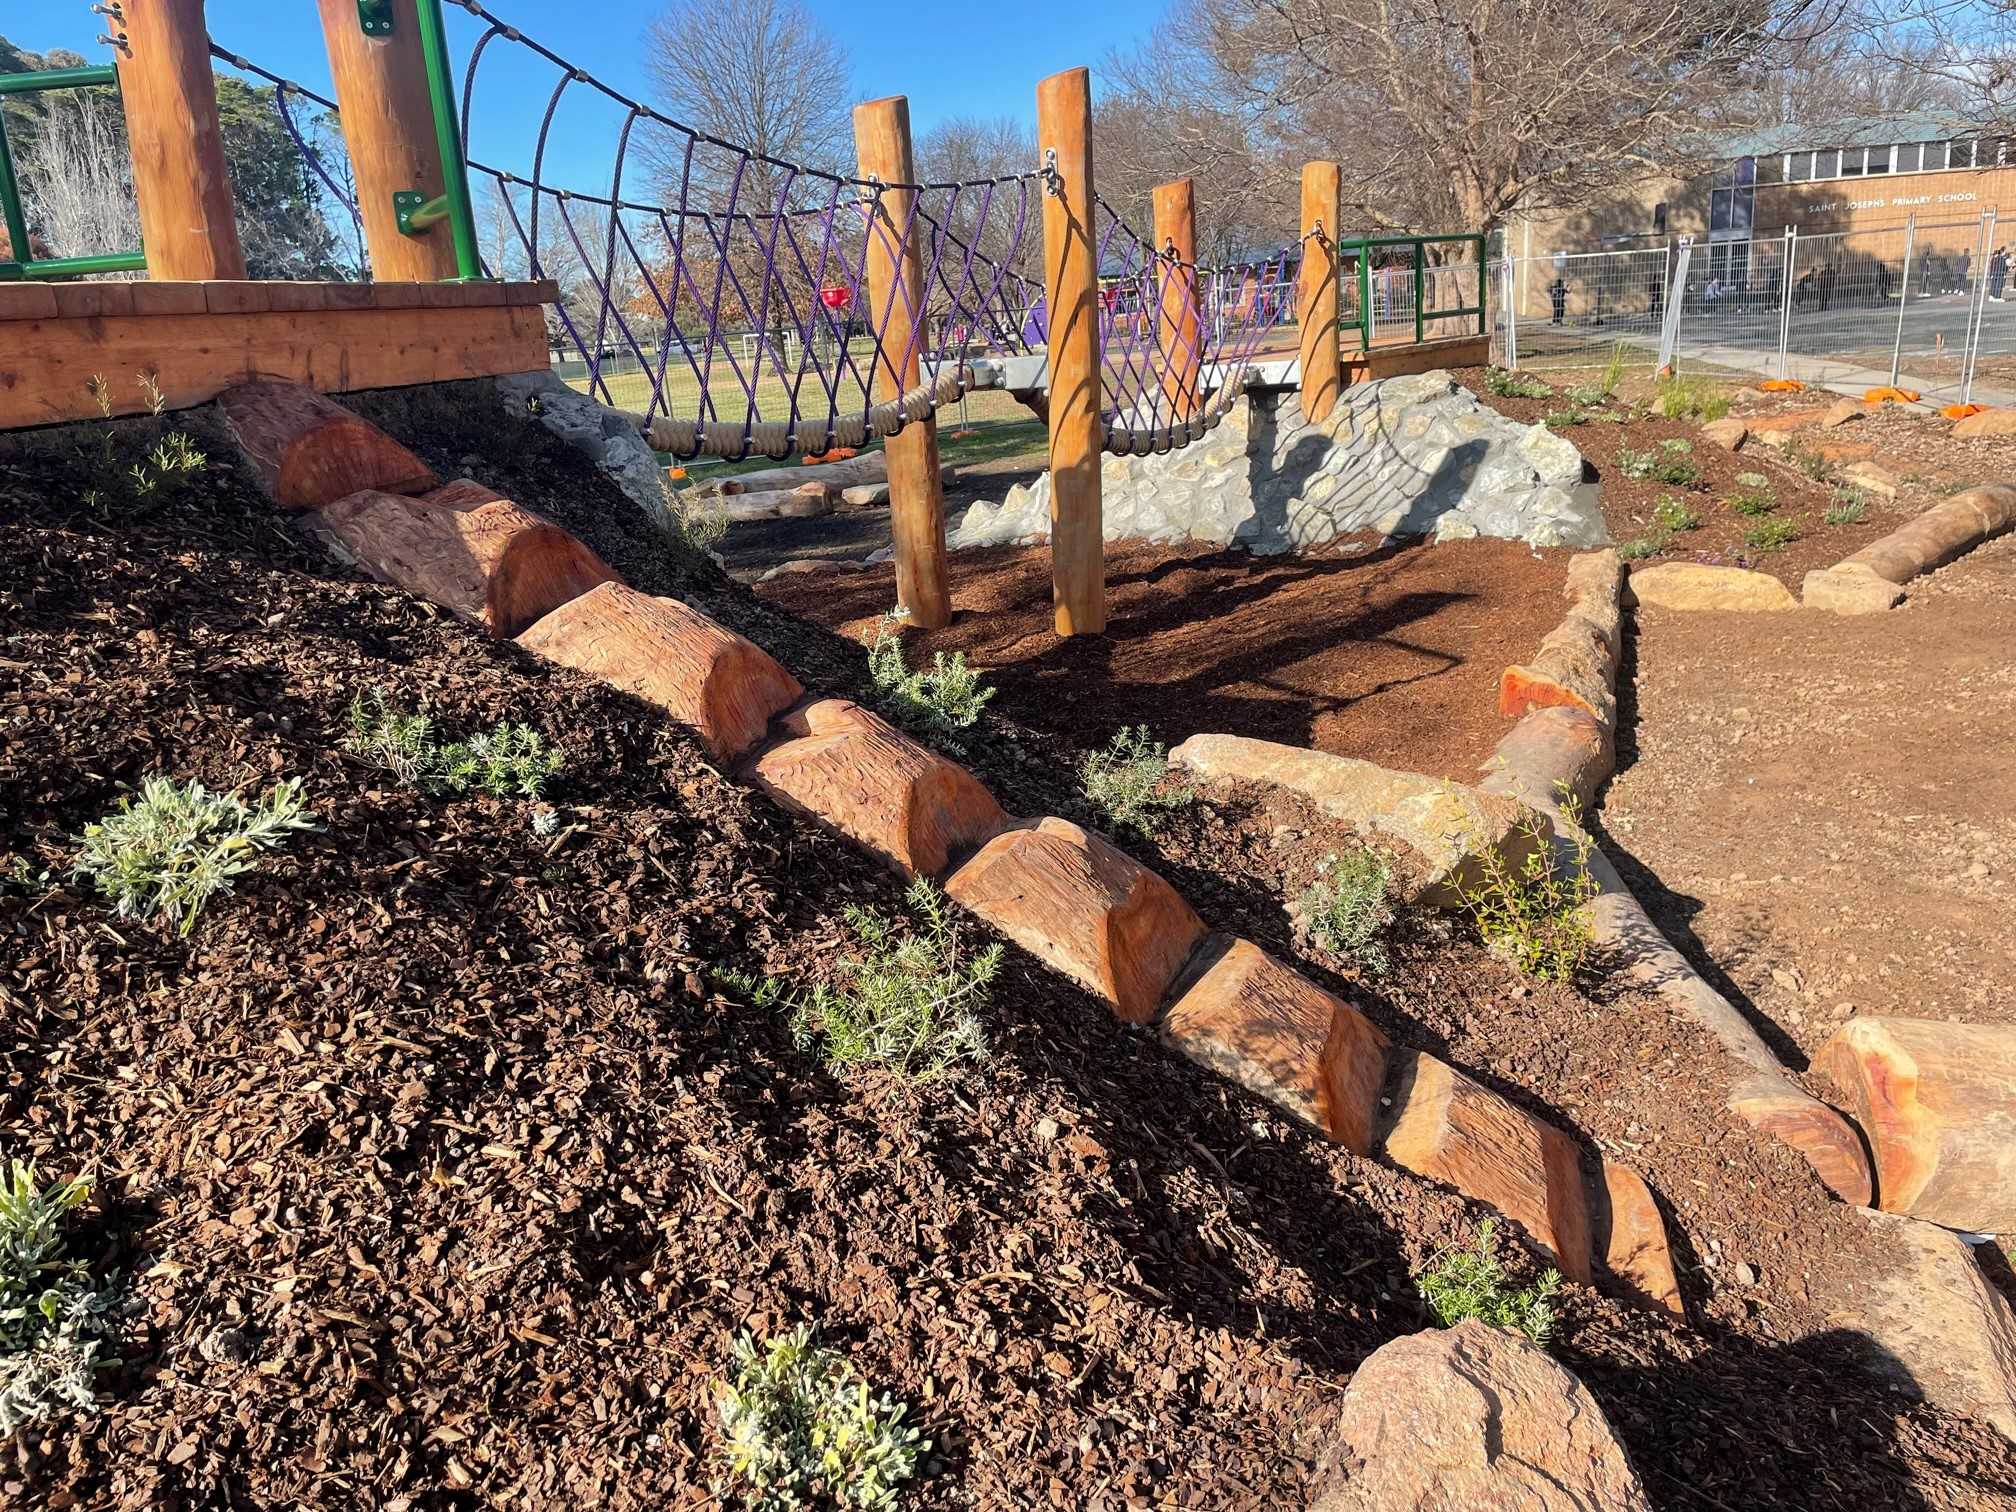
(1873, 579)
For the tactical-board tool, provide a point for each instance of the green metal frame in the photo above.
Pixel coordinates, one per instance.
(22, 265)
(1367, 244)
(455, 205)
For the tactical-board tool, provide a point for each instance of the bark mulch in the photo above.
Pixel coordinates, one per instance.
(1391, 654)
(444, 1171)
(1629, 503)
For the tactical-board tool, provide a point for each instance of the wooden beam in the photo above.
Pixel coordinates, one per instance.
(1316, 304)
(388, 125)
(45, 362)
(1071, 294)
(1176, 325)
(896, 310)
(188, 223)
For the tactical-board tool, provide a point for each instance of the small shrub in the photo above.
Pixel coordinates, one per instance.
(1850, 508)
(1672, 515)
(1586, 395)
(1771, 535)
(509, 761)
(1563, 419)
(1642, 547)
(1678, 444)
(1347, 909)
(690, 518)
(1468, 1283)
(177, 845)
(1509, 385)
(1811, 463)
(1660, 466)
(948, 697)
(1613, 370)
(1123, 782)
(173, 456)
(54, 1320)
(1689, 398)
(1536, 917)
(1754, 502)
(801, 1429)
(908, 1003)
(1752, 480)
(1611, 417)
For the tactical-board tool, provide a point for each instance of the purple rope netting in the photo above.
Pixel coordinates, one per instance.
(705, 296)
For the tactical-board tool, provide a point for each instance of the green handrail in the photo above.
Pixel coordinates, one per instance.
(1365, 245)
(459, 210)
(21, 265)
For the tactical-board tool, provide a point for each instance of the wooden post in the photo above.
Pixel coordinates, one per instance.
(896, 309)
(388, 125)
(188, 224)
(1316, 293)
(1176, 329)
(1071, 295)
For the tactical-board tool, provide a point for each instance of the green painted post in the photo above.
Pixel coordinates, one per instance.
(1477, 241)
(1365, 295)
(37, 80)
(448, 134)
(1420, 325)
(10, 205)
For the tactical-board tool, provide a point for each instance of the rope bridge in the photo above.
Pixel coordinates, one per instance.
(742, 290)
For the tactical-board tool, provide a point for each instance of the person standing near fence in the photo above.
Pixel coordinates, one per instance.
(1557, 295)
(1998, 273)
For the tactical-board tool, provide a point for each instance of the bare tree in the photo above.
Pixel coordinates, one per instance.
(761, 74)
(77, 178)
(1451, 114)
(1960, 56)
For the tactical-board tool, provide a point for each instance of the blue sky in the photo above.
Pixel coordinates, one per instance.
(965, 57)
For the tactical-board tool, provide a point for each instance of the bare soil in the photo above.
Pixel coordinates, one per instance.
(1390, 654)
(444, 1170)
(1819, 806)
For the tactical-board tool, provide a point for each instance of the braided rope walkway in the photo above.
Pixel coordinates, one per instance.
(740, 294)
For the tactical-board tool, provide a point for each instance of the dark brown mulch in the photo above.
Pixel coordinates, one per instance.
(445, 1174)
(1391, 655)
(1628, 503)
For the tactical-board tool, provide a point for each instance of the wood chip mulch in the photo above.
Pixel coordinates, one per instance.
(443, 1171)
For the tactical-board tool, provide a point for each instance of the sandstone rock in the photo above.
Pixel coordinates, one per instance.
(865, 495)
(1472, 1419)
(1844, 412)
(1441, 826)
(309, 451)
(495, 563)
(1937, 1101)
(1942, 533)
(1450, 1129)
(1988, 422)
(1629, 1234)
(1695, 585)
(1941, 1330)
(1728, 433)
(1074, 902)
(841, 764)
(1770, 1104)
(463, 493)
(1277, 1033)
(671, 656)
(1871, 477)
(1546, 751)
(809, 566)
(1850, 589)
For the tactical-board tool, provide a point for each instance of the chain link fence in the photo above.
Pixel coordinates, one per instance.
(1919, 305)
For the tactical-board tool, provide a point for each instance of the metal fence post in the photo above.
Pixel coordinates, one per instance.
(1789, 262)
(1973, 353)
(1510, 281)
(1903, 298)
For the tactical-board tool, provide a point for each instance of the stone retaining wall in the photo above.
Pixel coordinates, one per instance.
(1416, 455)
